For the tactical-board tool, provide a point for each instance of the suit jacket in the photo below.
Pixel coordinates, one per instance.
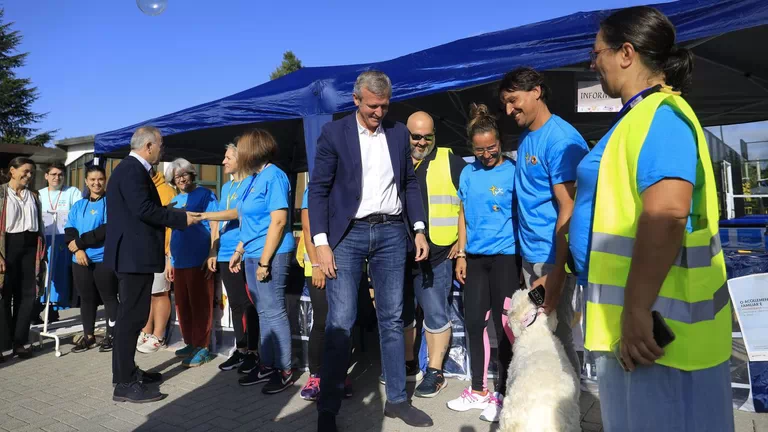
(136, 230)
(335, 188)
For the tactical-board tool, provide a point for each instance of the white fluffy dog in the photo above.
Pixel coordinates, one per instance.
(542, 387)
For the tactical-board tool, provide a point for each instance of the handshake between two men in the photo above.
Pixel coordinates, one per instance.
(194, 218)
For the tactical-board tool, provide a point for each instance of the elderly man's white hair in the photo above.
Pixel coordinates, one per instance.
(376, 82)
(144, 135)
(181, 165)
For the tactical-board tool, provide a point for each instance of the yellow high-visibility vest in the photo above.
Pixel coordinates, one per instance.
(444, 201)
(694, 297)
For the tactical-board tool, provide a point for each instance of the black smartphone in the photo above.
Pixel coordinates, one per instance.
(662, 334)
(537, 295)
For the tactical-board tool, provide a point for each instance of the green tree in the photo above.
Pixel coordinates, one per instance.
(17, 94)
(290, 63)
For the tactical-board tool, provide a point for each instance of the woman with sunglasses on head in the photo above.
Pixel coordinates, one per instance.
(224, 238)
(192, 282)
(84, 235)
(486, 261)
(22, 248)
(644, 237)
(264, 250)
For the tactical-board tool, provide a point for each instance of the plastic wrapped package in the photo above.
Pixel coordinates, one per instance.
(457, 360)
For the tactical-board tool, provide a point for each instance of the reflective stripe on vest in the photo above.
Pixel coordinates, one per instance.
(693, 298)
(688, 257)
(444, 201)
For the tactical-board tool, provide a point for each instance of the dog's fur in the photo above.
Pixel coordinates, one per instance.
(542, 387)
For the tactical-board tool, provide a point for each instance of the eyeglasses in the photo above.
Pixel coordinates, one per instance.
(428, 137)
(181, 176)
(593, 54)
(490, 149)
(56, 175)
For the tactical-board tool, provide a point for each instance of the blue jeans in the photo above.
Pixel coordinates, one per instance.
(431, 287)
(663, 399)
(384, 245)
(269, 298)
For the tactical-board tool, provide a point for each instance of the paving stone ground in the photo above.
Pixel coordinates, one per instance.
(73, 393)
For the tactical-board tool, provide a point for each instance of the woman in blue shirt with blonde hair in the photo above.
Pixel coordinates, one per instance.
(84, 234)
(265, 247)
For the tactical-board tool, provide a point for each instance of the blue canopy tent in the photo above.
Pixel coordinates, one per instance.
(730, 84)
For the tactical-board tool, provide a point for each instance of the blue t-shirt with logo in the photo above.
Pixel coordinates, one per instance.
(84, 216)
(669, 151)
(229, 231)
(189, 247)
(270, 191)
(486, 195)
(546, 157)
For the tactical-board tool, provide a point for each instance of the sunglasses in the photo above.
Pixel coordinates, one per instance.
(428, 138)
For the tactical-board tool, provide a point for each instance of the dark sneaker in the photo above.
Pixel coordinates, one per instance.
(84, 344)
(136, 392)
(412, 373)
(278, 382)
(408, 414)
(235, 360)
(430, 386)
(348, 388)
(106, 344)
(257, 376)
(250, 362)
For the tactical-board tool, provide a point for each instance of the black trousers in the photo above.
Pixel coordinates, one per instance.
(135, 291)
(19, 289)
(317, 334)
(91, 282)
(245, 320)
(491, 280)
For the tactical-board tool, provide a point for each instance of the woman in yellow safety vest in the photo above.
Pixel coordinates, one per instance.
(644, 237)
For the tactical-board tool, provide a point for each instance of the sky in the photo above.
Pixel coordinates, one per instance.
(101, 64)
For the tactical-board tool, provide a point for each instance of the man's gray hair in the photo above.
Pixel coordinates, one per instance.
(376, 82)
(181, 165)
(144, 135)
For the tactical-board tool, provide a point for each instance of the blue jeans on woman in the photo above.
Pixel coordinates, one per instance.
(384, 245)
(269, 299)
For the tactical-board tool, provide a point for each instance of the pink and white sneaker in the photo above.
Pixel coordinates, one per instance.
(469, 400)
(141, 340)
(151, 345)
(492, 412)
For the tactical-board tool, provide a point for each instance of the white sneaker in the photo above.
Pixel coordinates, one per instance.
(141, 340)
(469, 400)
(151, 345)
(492, 412)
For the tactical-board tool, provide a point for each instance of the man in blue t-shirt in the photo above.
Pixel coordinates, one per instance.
(550, 150)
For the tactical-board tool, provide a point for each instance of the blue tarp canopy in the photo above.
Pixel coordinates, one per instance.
(730, 84)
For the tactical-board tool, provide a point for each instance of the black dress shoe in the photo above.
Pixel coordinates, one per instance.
(408, 414)
(150, 377)
(326, 422)
(2, 359)
(22, 352)
(136, 392)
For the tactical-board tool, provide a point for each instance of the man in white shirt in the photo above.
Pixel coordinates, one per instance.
(365, 204)
(58, 199)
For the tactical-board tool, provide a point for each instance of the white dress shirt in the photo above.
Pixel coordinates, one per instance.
(20, 212)
(143, 161)
(379, 195)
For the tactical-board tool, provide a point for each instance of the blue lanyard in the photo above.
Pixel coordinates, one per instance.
(248, 189)
(636, 99)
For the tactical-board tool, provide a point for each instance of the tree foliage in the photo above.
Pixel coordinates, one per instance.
(17, 95)
(290, 63)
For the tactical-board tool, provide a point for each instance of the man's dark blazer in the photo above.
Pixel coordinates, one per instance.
(335, 188)
(135, 241)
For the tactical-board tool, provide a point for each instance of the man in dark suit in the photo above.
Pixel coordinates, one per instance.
(134, 249)
(365, 204)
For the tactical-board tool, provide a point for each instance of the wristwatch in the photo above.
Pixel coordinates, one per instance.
(420, 231)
